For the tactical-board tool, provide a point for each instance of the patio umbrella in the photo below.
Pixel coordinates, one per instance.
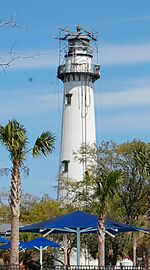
(40, 244)
(78, 222)
(7, 246)
(4, 240)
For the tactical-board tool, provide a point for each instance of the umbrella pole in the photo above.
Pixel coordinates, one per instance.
(78, 246)
(41, 257)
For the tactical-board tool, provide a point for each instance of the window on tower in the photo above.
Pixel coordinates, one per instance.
(68, 99)
(65, 165)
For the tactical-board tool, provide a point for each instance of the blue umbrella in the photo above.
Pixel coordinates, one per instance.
(40, 243)
(4, 240)
(7, 246)
(69, 222)
(78, 222)
(4, 247)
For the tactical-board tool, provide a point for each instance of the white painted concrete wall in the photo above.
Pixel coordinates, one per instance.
(85, 258)
(78, 125)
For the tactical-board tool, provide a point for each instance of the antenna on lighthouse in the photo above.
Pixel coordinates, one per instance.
(90, 34)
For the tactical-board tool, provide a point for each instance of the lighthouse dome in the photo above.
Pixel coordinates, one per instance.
(78, 45)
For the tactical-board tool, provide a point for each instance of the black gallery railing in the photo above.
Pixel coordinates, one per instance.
(90, 267)
(75, 267)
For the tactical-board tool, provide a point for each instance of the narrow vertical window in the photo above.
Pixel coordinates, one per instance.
(68, 99)
(65, 165)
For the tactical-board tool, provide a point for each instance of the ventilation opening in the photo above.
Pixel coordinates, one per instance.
(68, 99)
(65, 166)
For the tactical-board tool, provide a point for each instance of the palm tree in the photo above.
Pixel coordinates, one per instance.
(14, 138)
(107, 185)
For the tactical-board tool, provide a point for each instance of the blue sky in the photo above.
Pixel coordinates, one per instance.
(122, 95)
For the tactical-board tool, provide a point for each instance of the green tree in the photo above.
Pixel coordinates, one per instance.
(142, 158)
(14, 138)
(134, 187)
(105, 188)
(43, 209)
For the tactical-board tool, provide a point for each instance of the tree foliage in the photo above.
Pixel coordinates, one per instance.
(14, 138)
(130, 201)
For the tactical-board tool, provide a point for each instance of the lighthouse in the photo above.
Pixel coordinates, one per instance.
(78, 73)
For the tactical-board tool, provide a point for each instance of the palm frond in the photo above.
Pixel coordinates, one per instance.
(107, 185)
(14, 137)
(25, 170)
(44, 144)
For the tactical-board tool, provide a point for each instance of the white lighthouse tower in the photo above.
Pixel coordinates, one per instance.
(78, 74)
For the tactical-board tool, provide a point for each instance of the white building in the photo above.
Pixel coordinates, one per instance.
(78, 75)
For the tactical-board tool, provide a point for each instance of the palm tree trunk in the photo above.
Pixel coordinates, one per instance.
(15, 213)
(101, 240)
(14, 255)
